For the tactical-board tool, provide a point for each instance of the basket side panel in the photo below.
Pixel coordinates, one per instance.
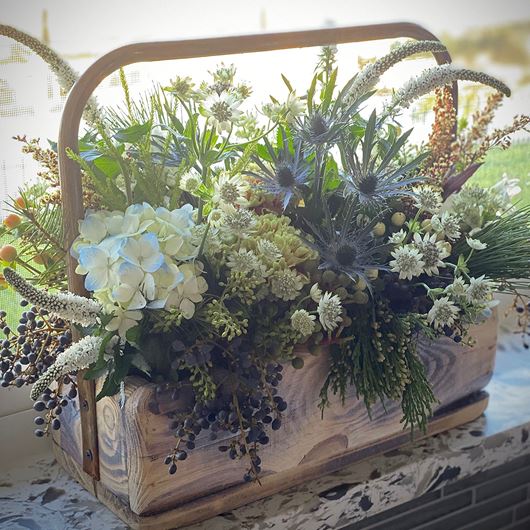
(305, 440)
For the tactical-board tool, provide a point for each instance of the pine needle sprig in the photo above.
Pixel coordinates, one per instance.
(506, 259)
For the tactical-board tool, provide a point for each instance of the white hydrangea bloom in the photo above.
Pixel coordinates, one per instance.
(123, 320)
(189, 292)
(135, 259)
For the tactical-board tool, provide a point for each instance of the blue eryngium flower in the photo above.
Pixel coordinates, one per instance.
(286, 174)
(345, 246)
(373, 175)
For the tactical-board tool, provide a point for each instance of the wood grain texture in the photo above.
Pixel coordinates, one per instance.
(134, 440)
(208, 506)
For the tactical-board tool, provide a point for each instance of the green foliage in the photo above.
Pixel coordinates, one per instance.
(380, 360)
(506, 257)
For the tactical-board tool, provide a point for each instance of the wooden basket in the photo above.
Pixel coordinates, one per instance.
(118, 454)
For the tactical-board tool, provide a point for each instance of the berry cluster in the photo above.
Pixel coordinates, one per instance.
(27, 352)
(244, 414)
(51, 405)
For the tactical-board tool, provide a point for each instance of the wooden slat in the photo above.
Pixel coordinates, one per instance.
(135, 440)
(212, 505)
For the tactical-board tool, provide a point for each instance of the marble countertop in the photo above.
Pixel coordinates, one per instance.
(41, 496)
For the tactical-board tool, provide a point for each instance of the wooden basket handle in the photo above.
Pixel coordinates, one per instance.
(70, 173)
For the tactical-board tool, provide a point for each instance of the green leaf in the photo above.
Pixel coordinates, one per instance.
(287, 83)
(98, 370)
(330, 88)
(110, 387)
(133, 334)
(133, 133)
(108, 166)
(311, 94)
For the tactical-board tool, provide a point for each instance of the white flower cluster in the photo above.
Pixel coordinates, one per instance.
(427, 198)
(140, 258)
(77, 357)
(287, 111)
(439, 76)
(424, 255)
(222, 110)
(369, 76)
(70, 307)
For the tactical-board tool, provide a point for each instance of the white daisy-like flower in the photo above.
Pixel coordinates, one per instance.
(303, 322)
(397, 237)
(475, 244)
(229, 189)
(432, 252)
(215, 217)
(458, 289)
(407, 262)
(447, 224)
(329, 311)
(268, 250)
(427, 198)
(286, 284)
(243, 261)
(190, 181)
(222, 110)
(479, 290)
(315, 292)
(237, 220)
(442, 313)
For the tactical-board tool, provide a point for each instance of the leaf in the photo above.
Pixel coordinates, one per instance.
(98, 370)
(368, 142)
(287, 83)
(133, 133)
(109, 388)
(311, 94)
(133, 334)
(330, 88)
(108, 166)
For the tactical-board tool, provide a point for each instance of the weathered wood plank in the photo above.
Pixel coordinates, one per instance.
(208, 506)
(134, 440)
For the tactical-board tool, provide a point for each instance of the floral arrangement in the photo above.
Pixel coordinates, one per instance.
(220, 244)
